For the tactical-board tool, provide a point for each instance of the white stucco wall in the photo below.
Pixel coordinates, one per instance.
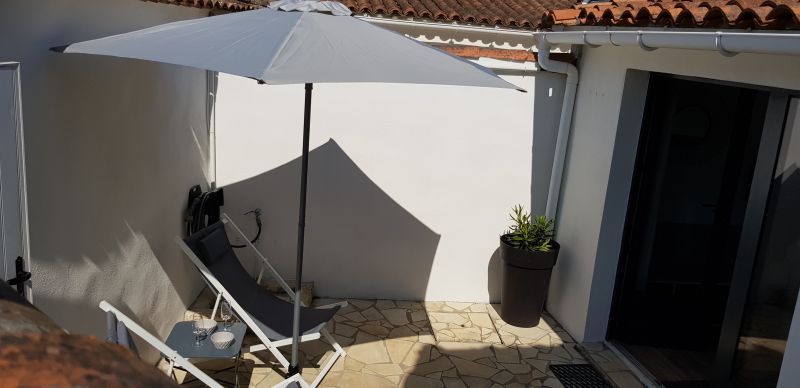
(583, 281)
(410, 186)
(112, 147)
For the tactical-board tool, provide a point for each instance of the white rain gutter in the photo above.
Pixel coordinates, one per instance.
(427, 25)
(726, 43)
(503, 67)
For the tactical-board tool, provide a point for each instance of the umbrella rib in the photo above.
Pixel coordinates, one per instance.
(283, 44)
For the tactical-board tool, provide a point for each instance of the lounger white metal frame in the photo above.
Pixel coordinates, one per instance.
(292, 381)
(171, 355)
(266, 343)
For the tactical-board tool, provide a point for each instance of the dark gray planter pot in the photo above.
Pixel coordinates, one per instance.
(524, 285)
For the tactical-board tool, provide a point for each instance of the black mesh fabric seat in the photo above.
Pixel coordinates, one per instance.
(272, 314)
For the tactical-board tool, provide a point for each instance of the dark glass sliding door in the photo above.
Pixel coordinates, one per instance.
(703, 189)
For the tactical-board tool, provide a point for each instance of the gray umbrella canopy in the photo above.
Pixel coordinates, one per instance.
(295, 42)
(277, 47)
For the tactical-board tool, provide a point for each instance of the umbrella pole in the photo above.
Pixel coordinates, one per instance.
(294, 368)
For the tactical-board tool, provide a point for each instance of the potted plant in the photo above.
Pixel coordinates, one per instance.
(528, 253)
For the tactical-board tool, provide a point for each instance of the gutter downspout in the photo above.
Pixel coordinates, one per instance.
(211, 121)
(564, 124)
(438, 26)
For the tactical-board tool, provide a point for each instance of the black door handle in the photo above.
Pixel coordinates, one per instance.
(21, 278)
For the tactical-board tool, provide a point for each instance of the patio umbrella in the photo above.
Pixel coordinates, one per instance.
(295, 42)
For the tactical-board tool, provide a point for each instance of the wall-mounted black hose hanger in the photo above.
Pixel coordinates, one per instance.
(203, 209)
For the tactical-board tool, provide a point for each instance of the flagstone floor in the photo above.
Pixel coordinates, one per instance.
(427, 344)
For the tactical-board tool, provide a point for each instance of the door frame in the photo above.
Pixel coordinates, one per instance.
(750, 237)
(789, 374)
(769, 149)
(21, 173)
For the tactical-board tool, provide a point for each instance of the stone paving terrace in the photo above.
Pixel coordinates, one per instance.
(427, 344)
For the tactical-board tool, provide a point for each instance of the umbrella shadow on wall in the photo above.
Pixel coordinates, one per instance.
(359, 242)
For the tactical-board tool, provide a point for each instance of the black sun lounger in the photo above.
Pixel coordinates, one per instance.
(268, 316)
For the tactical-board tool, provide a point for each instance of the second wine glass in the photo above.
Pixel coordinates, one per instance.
(226, 313)
(197, 329)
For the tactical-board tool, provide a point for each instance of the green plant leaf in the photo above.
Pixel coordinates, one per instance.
(529, 233)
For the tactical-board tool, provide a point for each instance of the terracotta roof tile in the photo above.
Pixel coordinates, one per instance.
(223, 5)
(646, 15)
(566, 13)
(523, 14)
(532, 14)
(757, 14)
(504, 13)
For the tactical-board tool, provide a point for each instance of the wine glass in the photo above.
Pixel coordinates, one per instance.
(226, 313)
(197, 329)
